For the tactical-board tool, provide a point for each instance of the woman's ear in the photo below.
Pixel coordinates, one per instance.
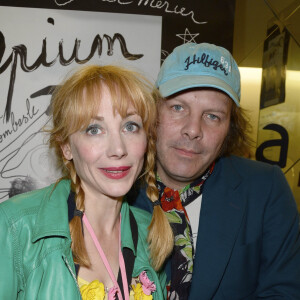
(66, 150)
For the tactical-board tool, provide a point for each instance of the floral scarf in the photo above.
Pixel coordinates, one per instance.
(173, 203)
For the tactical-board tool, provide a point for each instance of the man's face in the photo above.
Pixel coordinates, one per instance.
(192, 128)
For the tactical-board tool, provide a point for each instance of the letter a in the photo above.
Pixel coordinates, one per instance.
(283, 143)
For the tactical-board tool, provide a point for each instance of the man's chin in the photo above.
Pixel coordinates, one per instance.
(186, 174)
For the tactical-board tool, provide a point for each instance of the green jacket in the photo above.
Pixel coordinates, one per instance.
(36, 258)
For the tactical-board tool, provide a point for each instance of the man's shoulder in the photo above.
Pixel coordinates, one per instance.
(247, 162)
(248, 175)
(248, 167)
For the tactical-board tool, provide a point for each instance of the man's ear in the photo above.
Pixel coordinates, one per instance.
(66, 150)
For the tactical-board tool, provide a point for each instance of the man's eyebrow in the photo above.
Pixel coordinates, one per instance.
(220, 109)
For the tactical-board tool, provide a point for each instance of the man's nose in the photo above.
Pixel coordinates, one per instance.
(192, 128)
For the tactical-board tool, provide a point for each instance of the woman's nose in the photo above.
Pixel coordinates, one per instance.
(117, 146)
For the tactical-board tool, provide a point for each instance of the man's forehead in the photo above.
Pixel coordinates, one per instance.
(185, 94)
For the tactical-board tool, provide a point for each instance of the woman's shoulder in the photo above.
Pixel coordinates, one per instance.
(25, 201)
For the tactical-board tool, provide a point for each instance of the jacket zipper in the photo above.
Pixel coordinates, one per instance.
(72, 273)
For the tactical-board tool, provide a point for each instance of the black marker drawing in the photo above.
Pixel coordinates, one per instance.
(164, 6)
(20, 51)
(14, 154)
(19, 186)
(51, 21)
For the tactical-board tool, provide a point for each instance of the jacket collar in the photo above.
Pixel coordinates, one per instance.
(221, 216)
(55, 212)
(126, 229)
(52, 217)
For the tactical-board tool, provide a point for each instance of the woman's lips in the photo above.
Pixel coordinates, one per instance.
(115, 172)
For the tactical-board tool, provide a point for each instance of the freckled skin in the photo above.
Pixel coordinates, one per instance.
(192, 128)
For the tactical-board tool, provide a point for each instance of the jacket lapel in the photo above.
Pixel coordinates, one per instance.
(128, 254)
(222, 211)
(52, 218)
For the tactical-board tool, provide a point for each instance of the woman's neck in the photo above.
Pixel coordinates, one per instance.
(103, 213)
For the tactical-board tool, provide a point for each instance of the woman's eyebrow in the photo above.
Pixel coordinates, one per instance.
(98, 118)
(131, 113)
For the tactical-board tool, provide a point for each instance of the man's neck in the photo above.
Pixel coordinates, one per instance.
(172, 183)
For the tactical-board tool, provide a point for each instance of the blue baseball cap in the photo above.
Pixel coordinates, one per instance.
(199, 65)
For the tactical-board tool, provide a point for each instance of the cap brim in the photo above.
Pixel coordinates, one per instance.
(182, 83)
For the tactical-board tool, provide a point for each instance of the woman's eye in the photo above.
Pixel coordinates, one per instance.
(177, 107)
(93, 130)
(131, 127)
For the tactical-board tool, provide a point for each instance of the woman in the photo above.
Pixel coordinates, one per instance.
(78, 237)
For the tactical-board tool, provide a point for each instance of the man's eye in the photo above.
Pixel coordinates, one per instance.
(93, 130)
(131, 127)
(213, 117)
(177, 107)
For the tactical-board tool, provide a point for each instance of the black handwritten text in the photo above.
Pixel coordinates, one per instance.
(20, 52)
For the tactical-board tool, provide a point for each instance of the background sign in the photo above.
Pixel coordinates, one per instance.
(279, 119)
(38, 47)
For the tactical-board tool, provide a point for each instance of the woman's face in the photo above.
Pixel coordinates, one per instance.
(108, 155)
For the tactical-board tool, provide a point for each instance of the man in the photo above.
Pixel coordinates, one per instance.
(234, 220)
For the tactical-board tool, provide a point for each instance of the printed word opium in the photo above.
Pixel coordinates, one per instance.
(20, 51)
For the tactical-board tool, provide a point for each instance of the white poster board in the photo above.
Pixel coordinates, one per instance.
(38, 47)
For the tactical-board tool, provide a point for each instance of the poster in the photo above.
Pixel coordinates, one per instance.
(274, 67)
(38, 48)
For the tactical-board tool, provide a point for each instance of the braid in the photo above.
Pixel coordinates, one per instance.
(78, 247)
(160, 234)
